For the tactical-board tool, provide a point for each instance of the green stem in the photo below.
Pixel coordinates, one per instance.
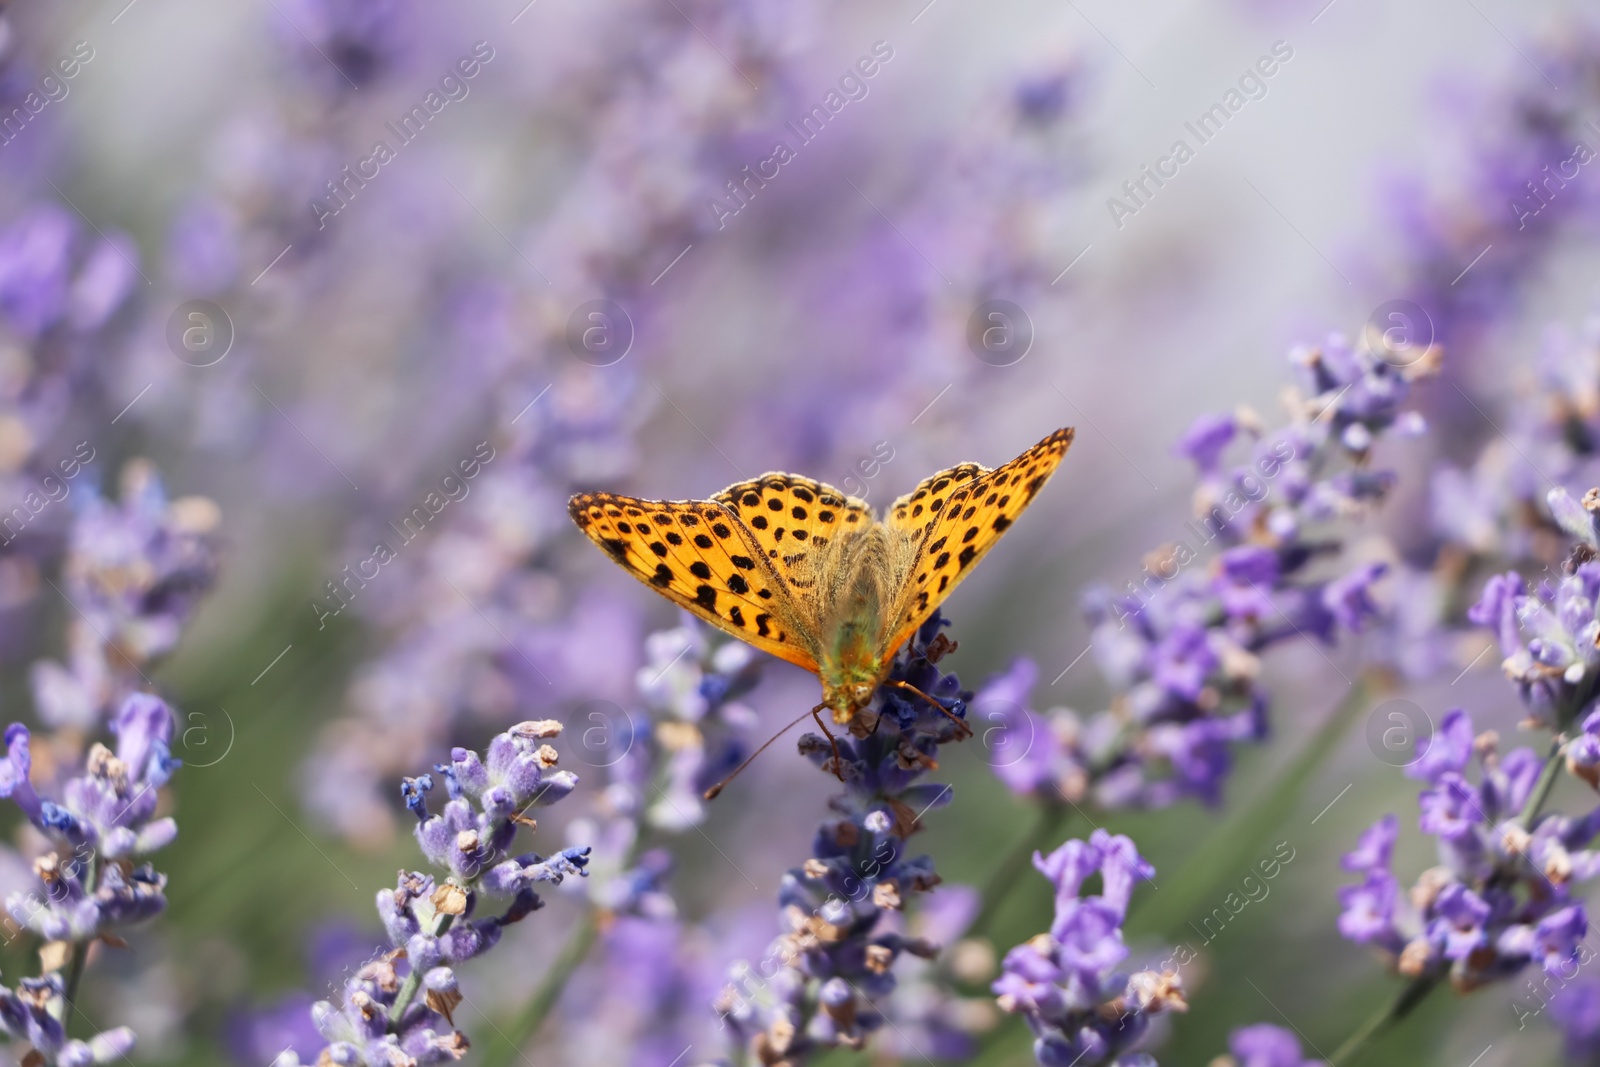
(1409, 998)
(408, 989)
(75, 968)
(527, 1024)
(1004, 878)
(80, 949)
(1541, 789)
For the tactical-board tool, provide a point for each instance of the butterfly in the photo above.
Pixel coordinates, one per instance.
(799, 569)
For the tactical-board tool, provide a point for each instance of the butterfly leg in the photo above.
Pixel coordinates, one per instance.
(966, 731)
(838, 762)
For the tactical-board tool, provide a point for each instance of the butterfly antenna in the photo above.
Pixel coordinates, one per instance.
(946, 712)
(712, 793)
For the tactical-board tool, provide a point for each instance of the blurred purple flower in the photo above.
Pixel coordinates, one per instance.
(1065, 983)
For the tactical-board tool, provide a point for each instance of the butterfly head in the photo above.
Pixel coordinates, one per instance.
(846, 699)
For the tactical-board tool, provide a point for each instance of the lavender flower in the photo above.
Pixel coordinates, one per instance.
(1508, 191)
(1576, 1008)
(135, 571)
(826, 975)
(692, 687)
(430, 923)
(91, 885)
(1264, 1045)
(1065, 983)
(34, 1012)
(1502, 897)
(54, 275)
(1547, 634)
(1182, 647)
(103, 821)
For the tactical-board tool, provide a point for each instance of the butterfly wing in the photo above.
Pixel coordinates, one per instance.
(704, 559)
(956, 516)
(793, 520)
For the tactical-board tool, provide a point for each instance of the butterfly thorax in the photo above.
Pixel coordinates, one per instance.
(858, 578)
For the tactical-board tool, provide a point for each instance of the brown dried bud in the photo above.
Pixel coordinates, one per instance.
(444, 1002)
(450, 900)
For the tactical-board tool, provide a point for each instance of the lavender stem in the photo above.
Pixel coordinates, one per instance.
(1005, 877)
(80, 952)
(408, 988)
(572, 955)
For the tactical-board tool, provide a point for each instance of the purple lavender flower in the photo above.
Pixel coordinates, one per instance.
(106, 814)
(1501, 898)
(1065, 983)
(833, 964)
(135, 571)
(33, 1012)
(52, 275)
(1547, 634)
(1182, 647)
(431, 925)
(1368, 911)
(1265, 1045)
(1576, 1008)
(1506, 192)
(91, 885)
(692, 686)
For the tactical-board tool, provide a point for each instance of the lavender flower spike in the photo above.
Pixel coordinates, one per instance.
(33, 1013)
(398, 1008)
(107, 813)
(827, 977)
(1502, 896)
(1065, 983)
(1264, 1045)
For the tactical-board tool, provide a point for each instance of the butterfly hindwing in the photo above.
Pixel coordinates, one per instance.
(701, 557)
(955, 517)
(793, 520)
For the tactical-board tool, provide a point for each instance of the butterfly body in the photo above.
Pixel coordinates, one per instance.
(798, 569)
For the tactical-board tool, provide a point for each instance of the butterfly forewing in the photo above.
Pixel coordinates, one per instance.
(704, 558)
(794, 521)
(789, 564)
(954, 518)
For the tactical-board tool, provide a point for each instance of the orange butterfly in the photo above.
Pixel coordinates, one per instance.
(798, 569)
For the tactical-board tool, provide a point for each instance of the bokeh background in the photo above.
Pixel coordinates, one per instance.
(825, 323)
